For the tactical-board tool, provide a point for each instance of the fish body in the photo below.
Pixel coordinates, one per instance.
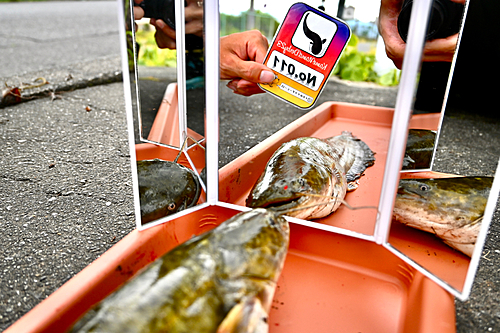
(221, 281)
(308, 172)
(450, 208)
(165, 188)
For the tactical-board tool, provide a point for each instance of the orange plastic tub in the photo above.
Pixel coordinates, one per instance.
(330, 283)
(369, 123)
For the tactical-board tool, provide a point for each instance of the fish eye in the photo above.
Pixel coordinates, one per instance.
(424, 187)
(171, 206)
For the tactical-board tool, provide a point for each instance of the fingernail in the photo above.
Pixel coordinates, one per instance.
(231, 87)
(266, 76)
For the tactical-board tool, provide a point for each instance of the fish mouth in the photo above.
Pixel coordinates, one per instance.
(279, 204)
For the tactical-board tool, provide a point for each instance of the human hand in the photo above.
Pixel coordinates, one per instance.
(441, 49)
(165, 35)
(138, 12)
(241, 57)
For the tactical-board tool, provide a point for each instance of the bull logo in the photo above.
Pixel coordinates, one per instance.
(316, 41)
(314, 33)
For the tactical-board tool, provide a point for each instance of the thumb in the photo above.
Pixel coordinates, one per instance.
(247, 70)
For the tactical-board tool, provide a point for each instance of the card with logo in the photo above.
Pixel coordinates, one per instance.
(304, 52)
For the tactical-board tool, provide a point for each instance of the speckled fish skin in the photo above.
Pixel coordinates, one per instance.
(307, 165)
(419, 149)
(450, 208)
(165, 188)
(221, 281)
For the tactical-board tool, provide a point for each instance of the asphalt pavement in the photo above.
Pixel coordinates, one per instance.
(65, 182)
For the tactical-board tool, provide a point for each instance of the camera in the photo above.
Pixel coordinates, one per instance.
(444, 20)
(160, 9)
(165, 10)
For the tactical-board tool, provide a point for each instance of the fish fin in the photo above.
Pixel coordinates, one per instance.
(364, 158)
(351, 186)
(477, 221)
(465, 248)
(248, 316)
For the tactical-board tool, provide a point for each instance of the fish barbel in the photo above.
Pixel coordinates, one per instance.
(308, 172)
(221, 281)
(450, 208)
(165, 188)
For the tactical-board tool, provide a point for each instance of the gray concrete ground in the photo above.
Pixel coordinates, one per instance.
(65, 186)
(38, 35)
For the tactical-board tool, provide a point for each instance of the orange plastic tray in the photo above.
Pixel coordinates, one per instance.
(165, 128)
(146, 151)
(330, 283)
(369, 123)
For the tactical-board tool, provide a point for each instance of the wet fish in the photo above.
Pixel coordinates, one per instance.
(165, 188)
(221, 281)
(419, 149)
(304, 171)
(450, 208)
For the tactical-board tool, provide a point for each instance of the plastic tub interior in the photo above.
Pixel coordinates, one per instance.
(369, 123)
(330, 282)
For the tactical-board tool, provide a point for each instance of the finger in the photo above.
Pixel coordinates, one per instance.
(165, 28)
(244, 88)
(195, 28)
(163, 34)
(248, 70)
(441, 49)
(138, 13)
(257, 46)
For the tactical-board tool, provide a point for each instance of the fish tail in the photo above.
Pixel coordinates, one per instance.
(363, 157)
(247, 316)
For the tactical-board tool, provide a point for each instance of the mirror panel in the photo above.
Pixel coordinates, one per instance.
(447, 21)
(169, 149)
(433, 226)
(247, 121)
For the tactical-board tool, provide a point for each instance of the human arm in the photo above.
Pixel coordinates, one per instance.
(441, 49)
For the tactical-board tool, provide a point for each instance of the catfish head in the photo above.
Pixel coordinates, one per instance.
(165, 188)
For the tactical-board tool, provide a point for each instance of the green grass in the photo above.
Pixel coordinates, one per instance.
(358, 66)
(149, 52)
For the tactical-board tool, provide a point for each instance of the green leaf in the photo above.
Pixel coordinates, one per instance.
(354, 74)
(389, 79)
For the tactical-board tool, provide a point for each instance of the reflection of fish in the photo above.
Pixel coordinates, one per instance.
(316, 41)
(165, 188)
(302, 172)
(450, 208)
(224, 279)
(419, 149)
